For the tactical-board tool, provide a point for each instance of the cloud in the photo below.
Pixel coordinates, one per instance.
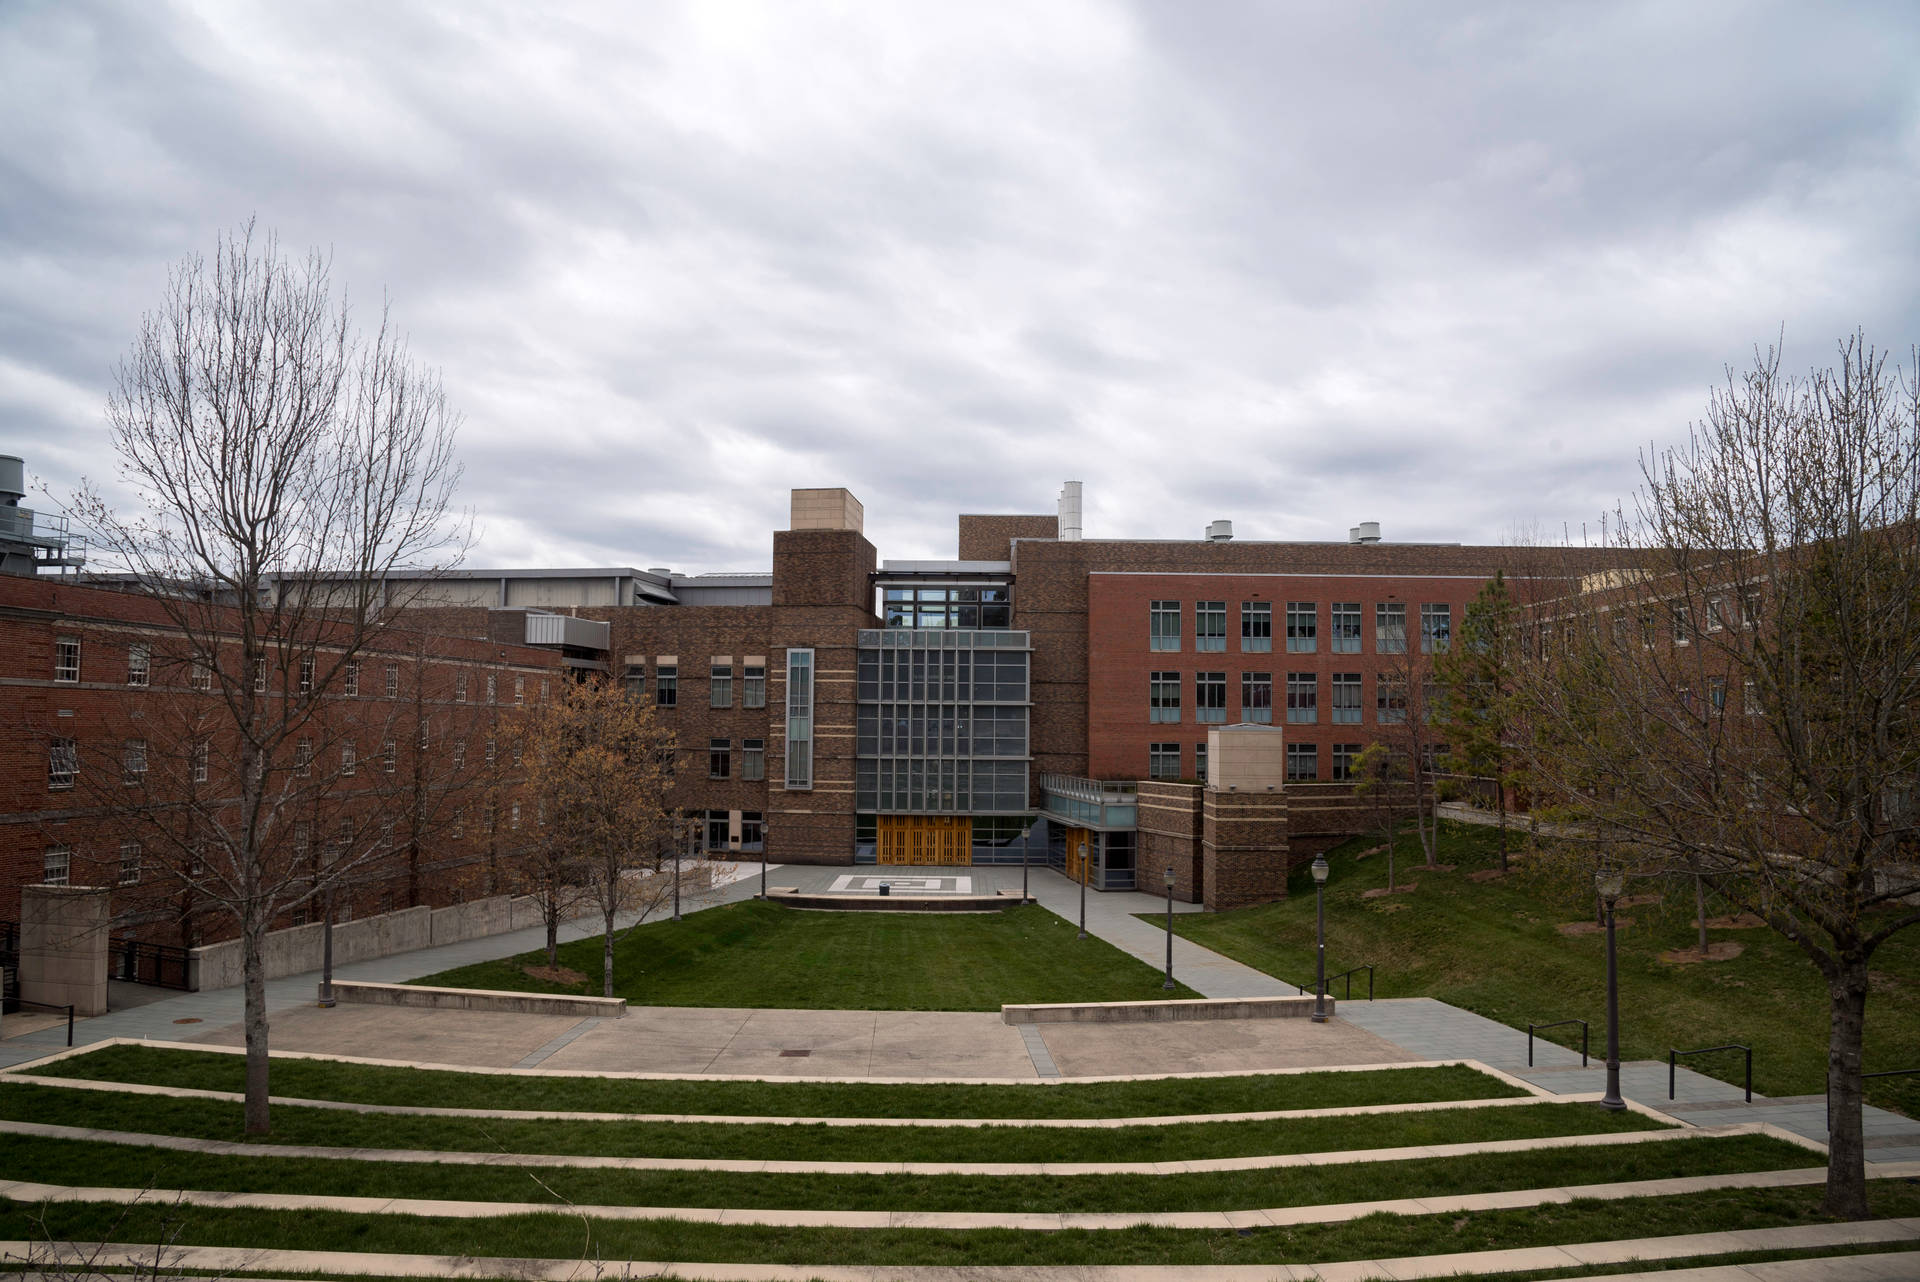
(1448, 267)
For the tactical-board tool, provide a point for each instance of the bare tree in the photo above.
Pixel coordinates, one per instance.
(1742, 710)
(282, 467)
(1476, 678)
(1380, 782)
(1406, 698)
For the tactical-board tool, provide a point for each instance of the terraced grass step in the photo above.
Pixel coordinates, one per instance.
(328, 1079)
(218, 1119)
(81, 1163)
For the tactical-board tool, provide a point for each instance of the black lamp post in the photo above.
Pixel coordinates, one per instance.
(1169, 983)
(1610, 882)
(691, 832)
(764, 825)
(1320, 934)
(1026, 845)
(326, 955)
(1083, 892)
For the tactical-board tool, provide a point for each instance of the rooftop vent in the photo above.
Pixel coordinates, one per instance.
(661, 570)
(1365, 532)
(1220, 532)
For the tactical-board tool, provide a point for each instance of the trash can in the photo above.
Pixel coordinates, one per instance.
(885, 887)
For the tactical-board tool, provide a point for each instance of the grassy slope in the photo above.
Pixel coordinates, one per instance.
(766, 955)
(213, 1119)
(1169, 1097)
(1492, 948)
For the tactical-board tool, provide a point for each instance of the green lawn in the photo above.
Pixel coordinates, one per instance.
(292, 1124)
(1492, 948)
(768, 955)
(561, 1236)
(92, 1165)
(436, 1088)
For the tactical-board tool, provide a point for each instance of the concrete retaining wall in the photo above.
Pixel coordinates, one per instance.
(297, 949)
(1159, 1012)
(895, 903)
(477, 999)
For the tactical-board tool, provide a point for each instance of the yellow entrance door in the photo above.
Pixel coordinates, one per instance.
(1079, 850)
(924, 839)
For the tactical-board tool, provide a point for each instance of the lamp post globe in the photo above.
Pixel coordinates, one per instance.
(1609, 883)
(1320, 938)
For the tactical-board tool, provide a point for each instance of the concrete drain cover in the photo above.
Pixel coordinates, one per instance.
(795, 1054)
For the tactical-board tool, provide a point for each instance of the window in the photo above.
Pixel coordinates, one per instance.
(1303, 762)
(1717, 693)
(1163, 761)
(1344, 627)
(1436, 627)
(425, 737)
(56, 865)
(1390, 628)
(1163, 697)
(129, 863)
(1677, 621)
(1390, 702)
(493, 685)
(1303, 698)
(1344, 755)
(513, 817)
(460, 687)
(516, 754)
(753, 759)
(260, 676)
(800, 719)
(459, 754)
(66, 659)
(63, 763)
(197, 757)
(393, 683)
(1750, 699)
(1256, 697)
(349, 759)
(753, 830)
(753, 690)
(1256, 627)
(1209, 625)
(1209, 697)
(1749, 607)
(719, 758)
(1716, 614)
(1346, 699)
(351, 684)
(1649, 628)
(1303, 620)
(306, 674)
(1163, 623)
(133, 762)
(1200, 761)
(200, 675)
(139, 664)
(666, 685)
(389, 756)
(635, 677)
(492, 746)
(720, 685)
(543, 689)
(303, 758)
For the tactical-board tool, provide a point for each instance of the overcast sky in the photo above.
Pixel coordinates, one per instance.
(1444, 266)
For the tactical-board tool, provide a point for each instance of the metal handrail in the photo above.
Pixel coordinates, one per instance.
(46, 1007)
(1891, 1072)
(1348, 976)
(1674, 1055)
(1557, 1024)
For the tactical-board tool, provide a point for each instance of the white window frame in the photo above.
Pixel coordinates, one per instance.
(66, 660)
(139, 664)
(56, 865)
(800, 709)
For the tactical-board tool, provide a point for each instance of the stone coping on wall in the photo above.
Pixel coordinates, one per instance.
(366, 994)
(893, 903)
(1158, 1012)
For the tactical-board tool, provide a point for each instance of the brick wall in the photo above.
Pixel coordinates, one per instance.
(1169, 832)
(990, 538)
(1245, 839)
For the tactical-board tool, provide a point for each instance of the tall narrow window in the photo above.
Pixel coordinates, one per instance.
(1200, 761)
(350, 684)
(349, 760)
(393, 683)
(1303, 627)
(303, 758)
(129, 863)
(1346, 699)
(460, 687)
(306, 674)
(1344, 623)
(260, 676)
(63, 764)
(66, 659)
(1163, 761)
(1390, 628)
(425, 738)
(753, 689)
(719, 758)
(1716, 614)
(1256, 627)
(389, 756)
(1256, 697)
(1677, 618)
(1209, 625)
(1390, 702)
(459, 754)
(720, 685)
(133, 762)
(492, 749)
(1303, 698)
(197, 761)
(1436, 627)
(1163, 697)
(493, 686)
(1344, 755)
(139, 664)
(56, 865)
(1303, 762)
(753, 759)
(1210, 697)
(666, 685)
(635, 677)
(200, 675)
(1163, 626)
(1717, 693)
(800, 719)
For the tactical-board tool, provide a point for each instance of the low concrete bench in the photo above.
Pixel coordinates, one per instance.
(365, 994)
(1160, 1012)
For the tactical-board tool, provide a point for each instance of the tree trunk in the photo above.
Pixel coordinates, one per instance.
(1389, 856)
(1846, 1153)
(606, 954)
(254, 980)
(1700, 910)
(1500, 795)
(552, 914)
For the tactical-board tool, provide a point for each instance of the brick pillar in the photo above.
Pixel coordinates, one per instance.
(1245, 838)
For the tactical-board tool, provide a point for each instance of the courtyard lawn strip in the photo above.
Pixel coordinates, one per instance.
(216, 1119)
(445, 1088)
(765, 955)
(564, 1236)
(83, 1164)
(1731, 1260)
(1492, 948)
